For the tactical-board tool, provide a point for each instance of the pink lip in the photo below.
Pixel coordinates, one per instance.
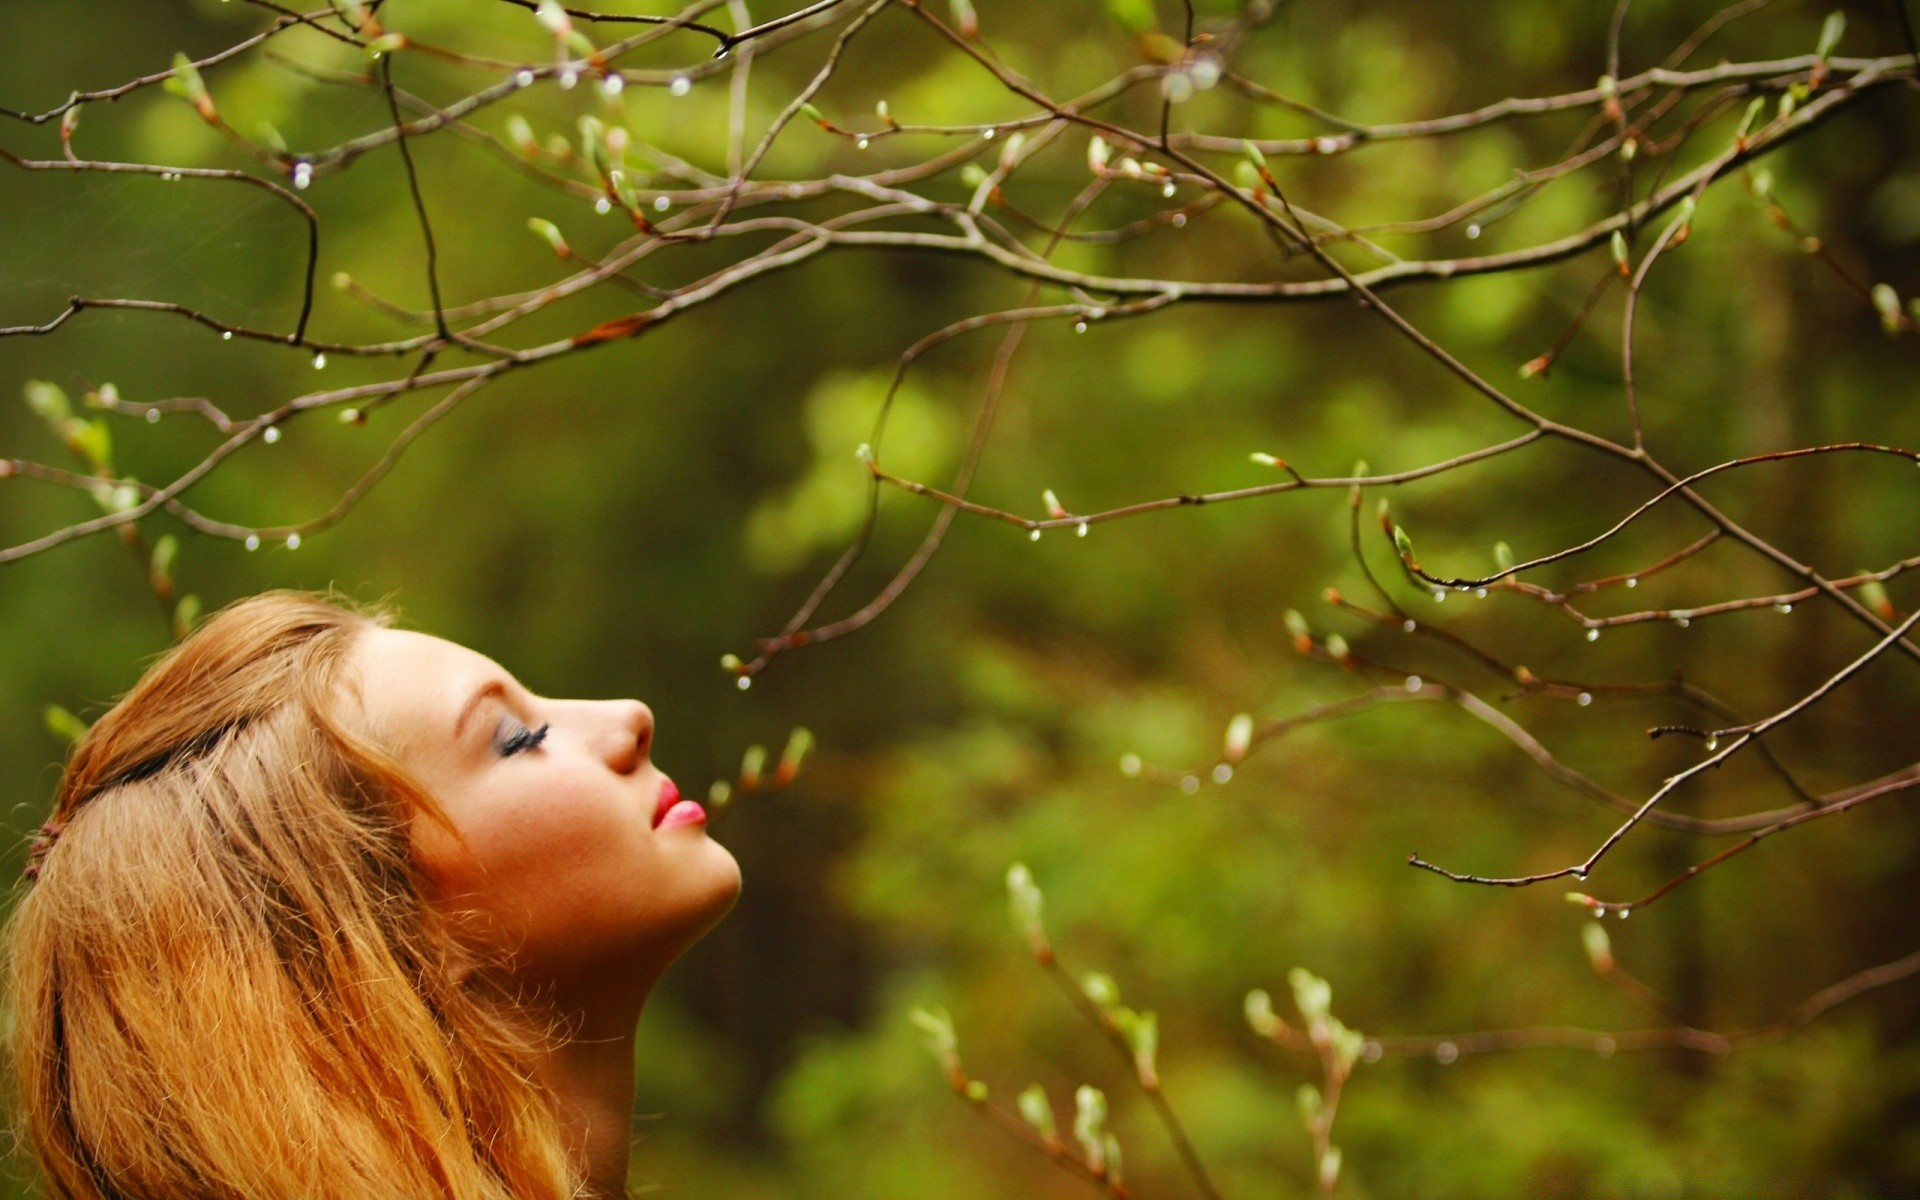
(670, 810)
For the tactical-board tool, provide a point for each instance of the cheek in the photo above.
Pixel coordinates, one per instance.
(571, 873)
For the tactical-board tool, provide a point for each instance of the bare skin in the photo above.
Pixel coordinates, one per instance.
(554, 856)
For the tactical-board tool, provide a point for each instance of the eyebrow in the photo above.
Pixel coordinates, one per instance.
(492, 687)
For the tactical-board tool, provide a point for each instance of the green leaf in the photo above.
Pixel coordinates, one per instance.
(1830, 33)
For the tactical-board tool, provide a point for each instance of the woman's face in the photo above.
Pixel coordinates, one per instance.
(567, 842)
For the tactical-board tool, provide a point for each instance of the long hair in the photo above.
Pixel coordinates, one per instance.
(229, 980)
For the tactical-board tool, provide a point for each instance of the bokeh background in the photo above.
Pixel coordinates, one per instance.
(611, 524)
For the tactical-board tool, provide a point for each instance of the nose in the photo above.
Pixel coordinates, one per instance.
(629, 735)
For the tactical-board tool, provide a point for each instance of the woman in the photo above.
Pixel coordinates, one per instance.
(332, 909)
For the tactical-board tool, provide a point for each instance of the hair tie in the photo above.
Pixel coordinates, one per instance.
(43, 843)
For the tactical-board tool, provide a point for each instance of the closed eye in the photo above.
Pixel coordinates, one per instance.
(523, 739)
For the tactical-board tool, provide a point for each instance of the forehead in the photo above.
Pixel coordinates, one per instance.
(411, 685)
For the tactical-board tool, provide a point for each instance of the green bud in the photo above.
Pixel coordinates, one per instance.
(1754, 108)
(1307, 1100)
(520, 133)
(354, 11)
(1599, 946)
(1887, 302)
(160, 565)
(973, 175)
(93, 440)
(1024, 904)
(186, 615)
(799, 744)
(1338, 648)
(1089, 1116)
(1402, 542)
(1110, 1149)
(184, 81)
(936, 1030)
(548, 232)
(1297, 624)
(1330, 1169)
(1100, 988)
(1254, 156)
(977, 1091)
(813, 114)
(1312, 995)
(386, 43)
(731, 663)
(1239, 737)
(554, 17)
(1618, 243)
(751, 764)
(1247, 176)
(720, 794)
(1037, 1111)
(1347, 1045)
(1260, 1015)
(1503, 556)
(64, 725)
(48, 401)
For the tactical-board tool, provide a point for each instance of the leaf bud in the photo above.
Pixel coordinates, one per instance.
(1873, 594)
(554, 18)
(1024, 904)
(1037, 1112)
(48, 401)
(1330, 1169)
(1239, 737)
(1312, 995)
(1301, 631)
(1599, 947)
(64, 725)
(1260, 1015)
(184, 81)
(1307, 1099)
(936, 1030)
(1618, 243)
(1503, 556)
(1089, 1115)
(1887, 302)
(548, 232)
(186, 614)
(1338, 648)
(751, 764)
(1100, 988)
(799, 743)
(160, 565)
(1053, 504)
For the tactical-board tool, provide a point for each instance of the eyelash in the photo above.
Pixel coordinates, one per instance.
(525, 739)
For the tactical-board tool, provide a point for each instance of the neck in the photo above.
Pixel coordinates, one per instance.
(591, 1075)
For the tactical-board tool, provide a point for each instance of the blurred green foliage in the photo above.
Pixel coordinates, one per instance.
(612, 523)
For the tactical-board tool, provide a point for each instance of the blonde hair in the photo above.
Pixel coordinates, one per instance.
(228, 979)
